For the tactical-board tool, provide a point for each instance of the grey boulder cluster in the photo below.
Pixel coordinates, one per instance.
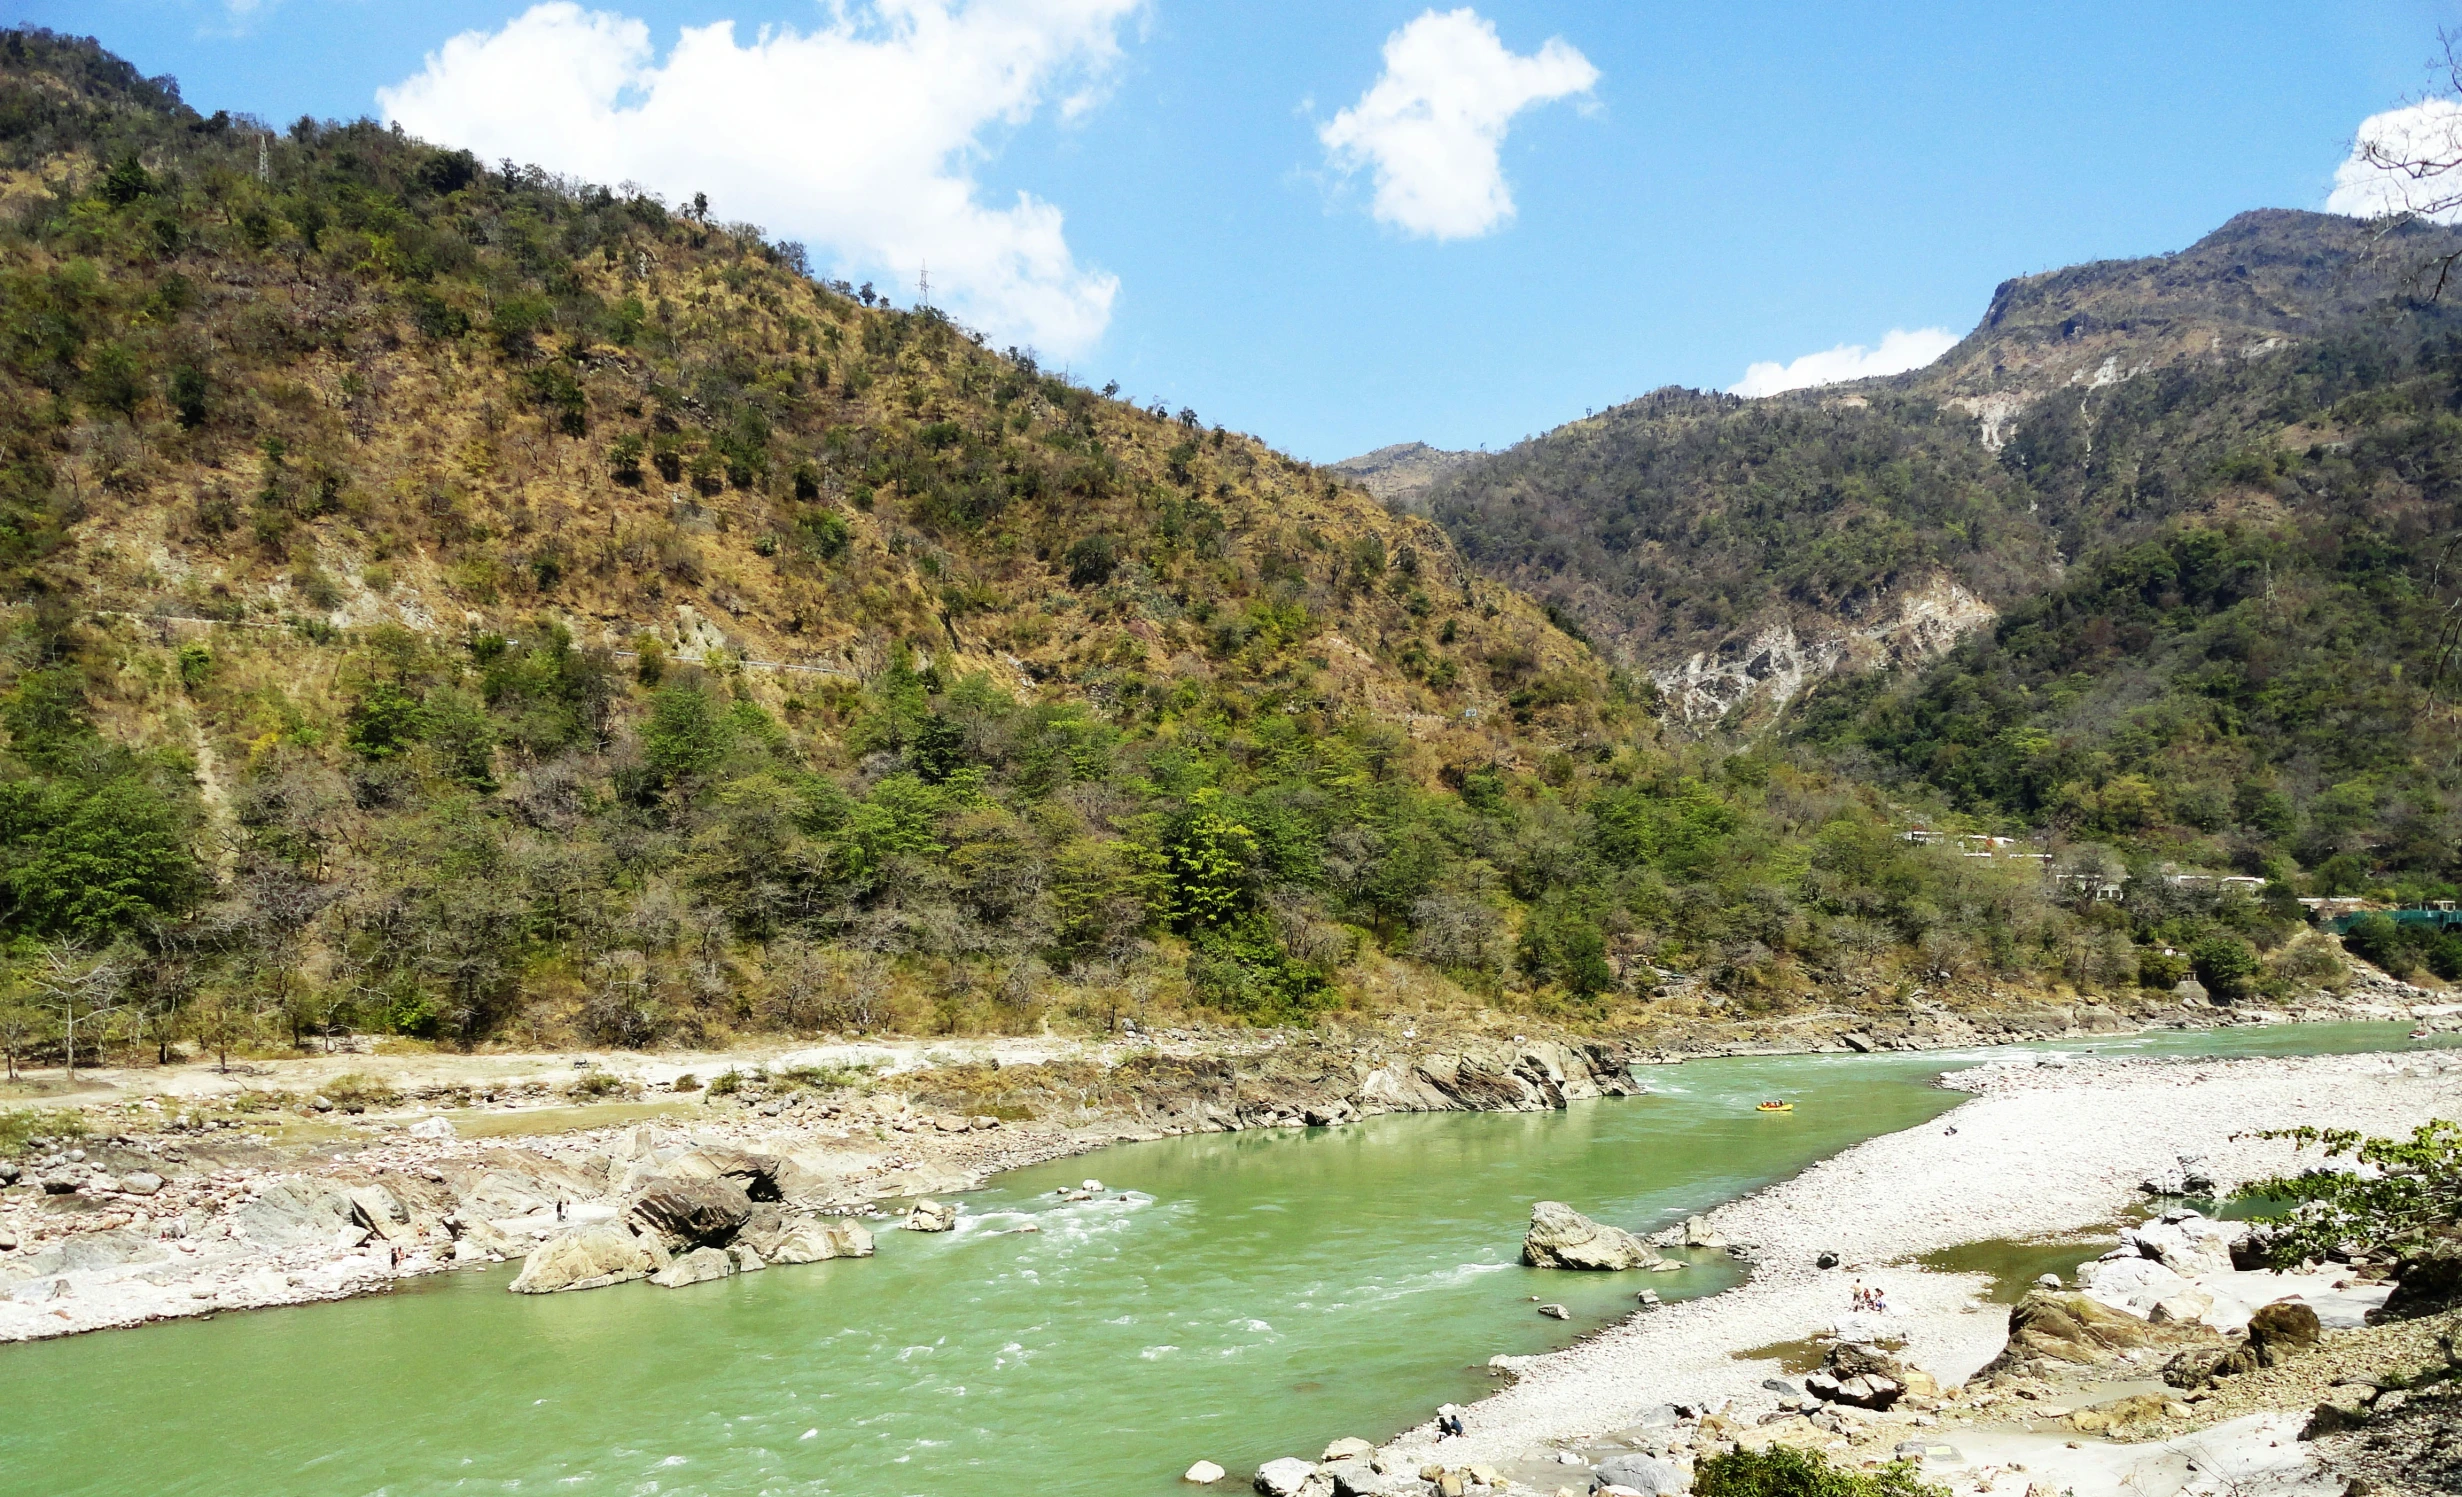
(1561, 1237)
(698, 1214)
(1355, 1468)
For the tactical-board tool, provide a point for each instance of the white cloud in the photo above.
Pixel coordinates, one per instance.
(860, 139)
(2430, 130)
(1899, 351)
(1431, 125)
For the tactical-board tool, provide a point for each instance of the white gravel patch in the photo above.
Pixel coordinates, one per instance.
(2045, 1149)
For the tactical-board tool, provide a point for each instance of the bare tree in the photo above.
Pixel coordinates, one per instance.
(20, 1023)
(79, 987)
(2425, 167)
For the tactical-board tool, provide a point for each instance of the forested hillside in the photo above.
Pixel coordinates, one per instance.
(2209, 498)
(454, 601)
(2090, 407)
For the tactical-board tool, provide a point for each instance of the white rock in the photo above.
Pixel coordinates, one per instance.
(699, 1266)
(437, 1128)
(1204, 1473)
(2185, 1307)
(1285, 1477)
(2132, 1283)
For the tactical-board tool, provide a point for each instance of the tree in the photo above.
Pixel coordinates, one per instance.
(21, 1024)
(2400, 1189)
(79, 988)
(2420, 155)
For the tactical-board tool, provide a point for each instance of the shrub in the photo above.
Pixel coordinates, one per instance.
(20, 1126)
(1783, 1471)
(1091, 561)
(727, 1083)
(359, 1089)
(594, 1083)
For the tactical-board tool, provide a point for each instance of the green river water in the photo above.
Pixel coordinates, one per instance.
(1255, 1295)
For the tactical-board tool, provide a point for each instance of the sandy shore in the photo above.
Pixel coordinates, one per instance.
(2044, 1149)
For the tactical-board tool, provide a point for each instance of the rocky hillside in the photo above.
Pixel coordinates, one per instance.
(1740, 550)
(1402, 474)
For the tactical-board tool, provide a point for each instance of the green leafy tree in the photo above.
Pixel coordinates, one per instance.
(2396, 1192)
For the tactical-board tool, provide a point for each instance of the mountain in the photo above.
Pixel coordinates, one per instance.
(2158, 562)
(1402, 474)
(1739, 551)
(465, 604)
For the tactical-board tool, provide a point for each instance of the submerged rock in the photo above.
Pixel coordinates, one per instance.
(1561, 1237)
(588, 1257)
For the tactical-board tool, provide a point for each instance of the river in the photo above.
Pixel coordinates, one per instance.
(1234, 1297)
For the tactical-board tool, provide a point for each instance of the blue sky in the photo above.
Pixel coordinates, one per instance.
(1744, 182)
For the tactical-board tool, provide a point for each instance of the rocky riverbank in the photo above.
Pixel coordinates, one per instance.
(197, 1202)
(2047, 1149)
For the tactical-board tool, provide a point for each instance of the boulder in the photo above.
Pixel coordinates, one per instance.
(588, 1257)
(699, 1266)
(1642, 1473)
(1555, 1312)
(379, 1210)
(2187, 1306)
(1561, 1237)
(2129, 1281)
(932, 1216)
(1361, 1479)
(690, 1213)
(820, 1240)
(755, 1174)
(1348, 1448)
(2067, 1328)
(746, 1260)
(437, 1129)
(1697, 1234)
(295, 1213)
(2426, 1279)
(2281, 1330)
(1285, 1477)
(2191, 1246)
(140, 1183)
(1204, 1474)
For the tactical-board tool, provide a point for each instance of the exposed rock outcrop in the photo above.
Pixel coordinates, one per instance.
(591, 1256)
(699, 1266)
(686, 1214)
